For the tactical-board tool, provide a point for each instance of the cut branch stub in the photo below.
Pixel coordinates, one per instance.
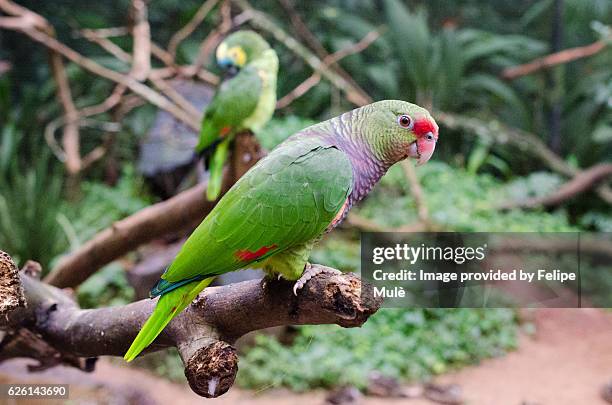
(211, 371)
(343, 298)
(11, 292)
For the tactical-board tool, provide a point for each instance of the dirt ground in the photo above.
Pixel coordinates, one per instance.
(567, 361)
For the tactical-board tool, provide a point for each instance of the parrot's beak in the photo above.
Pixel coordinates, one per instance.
(426, 150)
(413, 150)
(422, 149)
(229, 66)
(225, 62)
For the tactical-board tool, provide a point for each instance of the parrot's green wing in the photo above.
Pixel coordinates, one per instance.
(235, 101)
(288, 198)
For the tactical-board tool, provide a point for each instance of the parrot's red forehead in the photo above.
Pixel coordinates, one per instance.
(424, 125)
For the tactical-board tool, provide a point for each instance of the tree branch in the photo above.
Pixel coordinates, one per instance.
(580, 183)
(71, 137)
(106, 44)
(53, 330)
(557, 58)
(141, 32)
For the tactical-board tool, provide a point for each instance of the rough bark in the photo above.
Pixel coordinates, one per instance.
(11, 293)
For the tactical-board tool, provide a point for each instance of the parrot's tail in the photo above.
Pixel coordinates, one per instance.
(216, 169)
(169, 305)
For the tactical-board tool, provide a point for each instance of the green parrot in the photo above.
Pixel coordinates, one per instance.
(273, 215)
(246, 101)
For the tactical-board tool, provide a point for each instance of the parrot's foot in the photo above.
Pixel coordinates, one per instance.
(309, 272)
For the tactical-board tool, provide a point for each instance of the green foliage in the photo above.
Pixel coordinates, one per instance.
(406, 344)
(454, 68)
(598, 221)
(102, 205)
(337, 252)
(459, 201)
(30, 202)
(536, 184)
(107, 287)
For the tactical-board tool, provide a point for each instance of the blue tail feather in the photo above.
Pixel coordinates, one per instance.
(164, 286)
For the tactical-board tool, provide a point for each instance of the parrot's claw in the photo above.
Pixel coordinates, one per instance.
(269, 279)
(309, 272)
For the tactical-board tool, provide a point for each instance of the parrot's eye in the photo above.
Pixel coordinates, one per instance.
(405, 121)
(430, 137)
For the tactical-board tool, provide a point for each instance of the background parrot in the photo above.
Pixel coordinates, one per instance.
(246, 101)
(274, 214)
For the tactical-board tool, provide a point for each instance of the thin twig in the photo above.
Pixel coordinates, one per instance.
(25, 19)
(175, 96)
(110, 102)
(106, 32)
(106, 44)
(265, 23)
(195, 21)
(49, 133)
(357, 47)
(329, 60)
(154, 76)
(161, 54)
(417, 191)
(306, 34)
(299, 90)
(98, 152)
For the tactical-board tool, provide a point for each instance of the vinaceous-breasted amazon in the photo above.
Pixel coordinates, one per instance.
(274, 214)
(245, 101)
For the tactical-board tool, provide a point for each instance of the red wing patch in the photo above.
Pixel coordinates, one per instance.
(248, 255)
(225, 130)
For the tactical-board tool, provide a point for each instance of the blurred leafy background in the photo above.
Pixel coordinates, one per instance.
(445, 54)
